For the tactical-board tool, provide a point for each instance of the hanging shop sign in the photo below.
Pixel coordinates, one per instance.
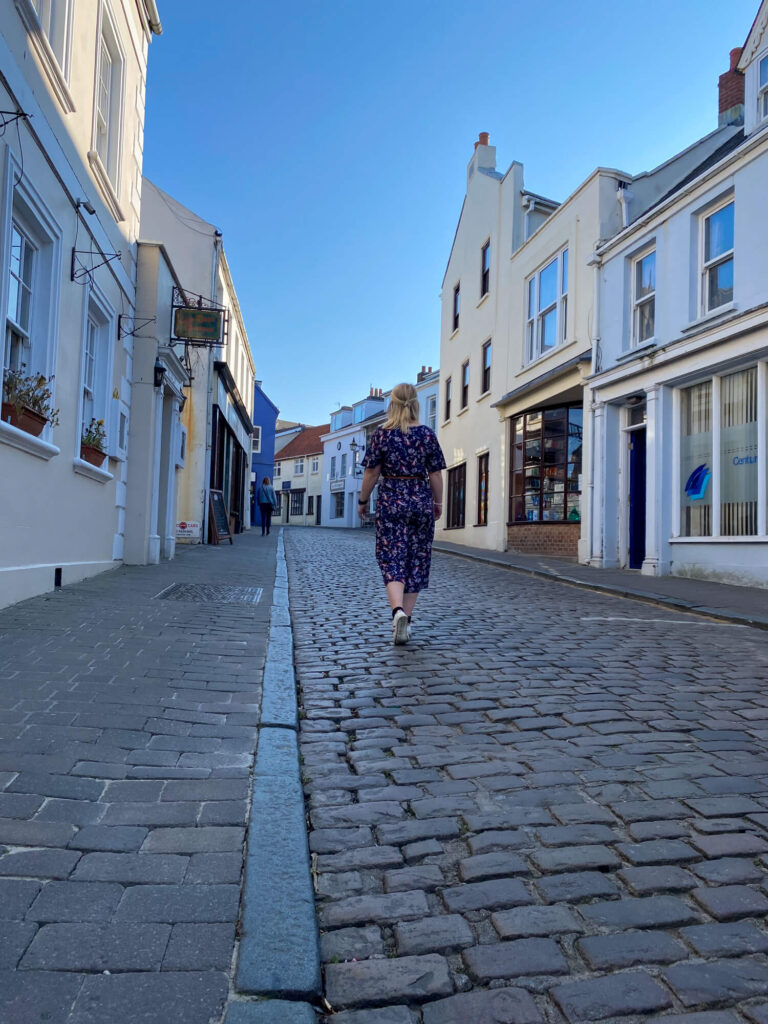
(194, 324)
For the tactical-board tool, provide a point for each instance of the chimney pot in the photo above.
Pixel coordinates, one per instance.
(730, 88)
(483, 138)
(735, 57)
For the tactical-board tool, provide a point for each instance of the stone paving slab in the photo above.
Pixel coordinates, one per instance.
(581, 785)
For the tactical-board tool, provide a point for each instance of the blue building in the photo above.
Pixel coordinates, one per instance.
(265, 414)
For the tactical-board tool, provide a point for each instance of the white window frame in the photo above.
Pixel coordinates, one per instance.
(486, 354)
(705, 266)
(485, 287)
(432, 413)
(106, 160)
(23, 204)
(25, 282)
(99, 323)
(256, 440)
(762, 88)
(534, 316)
(49, 25)
(343, 465)
(298, 466)
(636, 303)
(315, 467)
(333, 467)
(277, 471)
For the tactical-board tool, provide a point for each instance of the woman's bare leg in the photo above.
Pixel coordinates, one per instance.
(409, 602)
(395, 594)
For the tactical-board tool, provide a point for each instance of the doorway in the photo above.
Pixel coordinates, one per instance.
(636, 552)
(318, 500)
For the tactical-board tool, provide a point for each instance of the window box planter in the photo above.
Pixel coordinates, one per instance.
(95, 456)
(23, 418)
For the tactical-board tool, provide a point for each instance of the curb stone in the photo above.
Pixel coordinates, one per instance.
(279, 948)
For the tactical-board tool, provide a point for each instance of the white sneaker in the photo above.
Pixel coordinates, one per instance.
(400, 627)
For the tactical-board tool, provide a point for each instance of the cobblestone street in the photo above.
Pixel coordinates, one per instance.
(551, 805)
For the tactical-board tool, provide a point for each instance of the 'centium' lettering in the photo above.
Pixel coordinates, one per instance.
(745, 460)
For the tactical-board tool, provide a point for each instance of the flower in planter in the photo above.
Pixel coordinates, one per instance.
(94, 434)
(30, 392)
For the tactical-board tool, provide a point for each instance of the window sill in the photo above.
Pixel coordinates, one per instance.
(483, 299)
(482, 398)
(105, 184)
(544, 356)
(445, 422)
(638, 350)
(20, 439)
(446, 528)
(719, 540)
(48, 59)
(479, 525)
(716, 314)
(84, 468)
(462, 411)
(453, 333)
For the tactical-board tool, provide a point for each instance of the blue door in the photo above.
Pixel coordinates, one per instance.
(636, 498)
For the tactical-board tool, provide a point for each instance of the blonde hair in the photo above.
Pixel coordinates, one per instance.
(403, 411)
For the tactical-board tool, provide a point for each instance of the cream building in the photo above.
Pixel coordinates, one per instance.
(70, 182)
(298, 477)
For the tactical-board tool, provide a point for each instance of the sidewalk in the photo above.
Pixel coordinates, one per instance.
(746, 606)
(129, 710)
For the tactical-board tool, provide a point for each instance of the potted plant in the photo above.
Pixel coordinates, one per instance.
(92, 443)
(27, 401)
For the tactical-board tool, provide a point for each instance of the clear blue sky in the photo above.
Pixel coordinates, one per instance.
(328, 139)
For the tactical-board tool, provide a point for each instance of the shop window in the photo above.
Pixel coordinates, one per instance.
(297, 503)
(338, 505)
(457, 480)
(482, 490)
(696, 460)
(311, 505)
(546, 466)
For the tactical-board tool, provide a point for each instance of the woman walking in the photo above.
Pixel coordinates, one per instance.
(406, 459)
(267, 502)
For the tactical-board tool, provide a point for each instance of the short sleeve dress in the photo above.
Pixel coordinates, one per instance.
(405, 523)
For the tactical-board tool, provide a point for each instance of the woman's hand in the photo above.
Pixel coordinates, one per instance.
(437, 509)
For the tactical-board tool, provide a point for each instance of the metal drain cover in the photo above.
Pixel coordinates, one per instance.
(210, 593)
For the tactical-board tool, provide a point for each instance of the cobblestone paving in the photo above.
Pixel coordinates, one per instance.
(550, 806)
(127, 729)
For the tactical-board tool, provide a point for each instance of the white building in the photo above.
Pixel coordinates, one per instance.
(216, 416)
(680, 389)
(70, 182)
(298, 479)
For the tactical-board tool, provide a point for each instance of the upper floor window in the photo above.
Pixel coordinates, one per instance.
(762, 88)
(456, 306)
(256, 439)
(485, 270)
(343, 464)
(315, 463)
(465, 384)
(547, 307)
(486, 382)
(333, 467)
(644, 298)
(717, 262)
(432, 412)
(298, 466)
(278, 468)
(448, 389)
(108, 102)
(53, 16)
(96, 368)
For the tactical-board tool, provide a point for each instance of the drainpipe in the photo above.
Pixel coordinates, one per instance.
(596, 425)
(623, 195)
(209, 398)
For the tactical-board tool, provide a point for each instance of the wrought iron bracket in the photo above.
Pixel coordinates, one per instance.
(80, 268)
(139, 323)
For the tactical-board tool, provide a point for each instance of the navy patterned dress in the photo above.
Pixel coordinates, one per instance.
(405, 523)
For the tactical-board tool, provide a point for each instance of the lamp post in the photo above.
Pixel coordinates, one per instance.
(354, 447)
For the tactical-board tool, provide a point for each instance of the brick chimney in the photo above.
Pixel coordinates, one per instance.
(483, 157)
(731, 93)
(423, 374)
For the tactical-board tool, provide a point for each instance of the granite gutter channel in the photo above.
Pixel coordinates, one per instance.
(278, 968)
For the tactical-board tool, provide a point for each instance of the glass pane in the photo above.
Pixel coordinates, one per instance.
(22, 309)
(555, 419)
(720, 284)
(518, 510)
(763, 71)
(532, 452)
(533, 422)
(696, 460)
(552, 507)
(573, 507)
(487, 357)
(16, 247)
(548, 285)
(738, 453)
(531, 297)
(718, 237)
(548, 330)
(13, 299)
(486, 257)
(564, 277)
(645, 275)
(646, 319)
(518, 428)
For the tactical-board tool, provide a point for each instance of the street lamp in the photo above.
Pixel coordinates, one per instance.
(354, 447)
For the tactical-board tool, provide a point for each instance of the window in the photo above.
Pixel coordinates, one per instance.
(19, 315)
(276, 474)
(298, 466)
(49, 24)
(297, 503)
(315, 464)
(465, 384)
(456, 306)
(644, 298)
(448, 399)
(256, 439)
(108, 99)
(762, 86)
(338, 505)
(486, 382)
(717, 265)
(546, 466)
(485, 270)
(457, 479)
(343, 464)
(96, 367)
(432, 412)
(730, 484)
(333, 467)
(547, 307)
(482, 490)
(53, 18)
(310, 505)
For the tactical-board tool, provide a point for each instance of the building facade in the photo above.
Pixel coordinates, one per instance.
(680, 391)
(74, 75)
(298, 477)
(264, 416)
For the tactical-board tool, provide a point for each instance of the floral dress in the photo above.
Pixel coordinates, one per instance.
(405, 523)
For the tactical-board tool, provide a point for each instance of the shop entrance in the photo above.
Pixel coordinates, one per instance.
(636, 552)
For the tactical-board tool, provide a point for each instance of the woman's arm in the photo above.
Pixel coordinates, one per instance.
(370, 479)
(436, 486)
